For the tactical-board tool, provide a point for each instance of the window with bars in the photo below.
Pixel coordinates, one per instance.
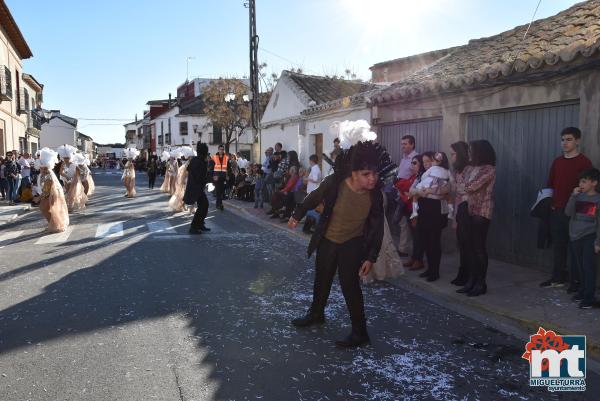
(160, 139)
(183, 127)
(167, 139)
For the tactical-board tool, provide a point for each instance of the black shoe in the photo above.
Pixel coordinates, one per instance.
(459, 280)
(270, 212)
(426, 273)
(194, 231)
(467, 288)
(204, 228)
(433, 277)
(402, 254)
(552, 284)
(309, 320)
(577, 298)
(353, 341)
(573, 287)
(586, 305)
(477, 290)
(275, 216)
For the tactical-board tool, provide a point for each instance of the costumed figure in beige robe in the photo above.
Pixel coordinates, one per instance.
(389, 264)
(53, 205)
(74, 193)
(129, 172)
(176, 201)
(164, 157)
(86, 176)
(173, 167)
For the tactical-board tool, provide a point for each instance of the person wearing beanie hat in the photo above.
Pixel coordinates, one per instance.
(53, 205)
(194, 190)
(349, 235)
(128, 176)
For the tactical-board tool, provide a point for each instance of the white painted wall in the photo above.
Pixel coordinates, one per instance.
(288, 135)
(56, 133)
(283, 104)
(319, 124)
(12, 125)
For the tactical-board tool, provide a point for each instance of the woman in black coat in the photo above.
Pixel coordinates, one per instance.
(194, 189)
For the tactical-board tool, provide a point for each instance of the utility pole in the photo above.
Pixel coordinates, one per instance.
(254, 84)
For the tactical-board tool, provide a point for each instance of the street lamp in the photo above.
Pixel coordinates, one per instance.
(233, 105)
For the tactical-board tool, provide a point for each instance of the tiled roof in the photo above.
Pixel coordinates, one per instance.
(325, 89)
(345, 102)
(14, 33)
(569, 36)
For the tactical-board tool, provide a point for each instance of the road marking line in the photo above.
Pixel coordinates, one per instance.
(159, 226)
(56, 237)
(110, 230)
(10, 235)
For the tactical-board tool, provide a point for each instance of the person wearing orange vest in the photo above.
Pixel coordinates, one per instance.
(221, 171)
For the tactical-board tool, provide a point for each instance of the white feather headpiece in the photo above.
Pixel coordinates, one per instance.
(187, 151)
(66, 151)
(176, 153)
(87, 161)
(165, 156)
(131, 153)
(352, 132)
(77, 159)
(48, 158)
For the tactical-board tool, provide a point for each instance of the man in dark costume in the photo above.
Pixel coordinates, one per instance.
(194, 190)
(349, 234)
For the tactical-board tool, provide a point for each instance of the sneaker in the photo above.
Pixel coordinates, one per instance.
(586, 305)
(572, 288)
(577, 298)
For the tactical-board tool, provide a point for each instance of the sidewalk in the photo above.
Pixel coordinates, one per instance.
(9, 213)
(513, 292)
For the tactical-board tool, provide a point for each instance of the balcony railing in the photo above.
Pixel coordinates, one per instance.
(34, 122)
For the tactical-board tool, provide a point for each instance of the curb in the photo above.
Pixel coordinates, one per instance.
(529, 326)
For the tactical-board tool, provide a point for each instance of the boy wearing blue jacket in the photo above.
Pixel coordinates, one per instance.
(584, 231)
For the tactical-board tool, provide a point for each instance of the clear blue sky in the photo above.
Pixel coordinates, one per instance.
(106, 59)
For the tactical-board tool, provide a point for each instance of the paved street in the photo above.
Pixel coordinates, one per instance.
(126, 305)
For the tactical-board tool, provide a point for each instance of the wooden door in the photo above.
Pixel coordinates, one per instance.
(319, 149)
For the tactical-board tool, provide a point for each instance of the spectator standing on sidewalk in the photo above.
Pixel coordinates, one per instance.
(220, 168)
(403, 186)
(405, 173)
(268, 176)
(459, 157)
(479, 186)
(563, 177)
(25, 164)
(11, 171)
(3, 180)
(583, 208)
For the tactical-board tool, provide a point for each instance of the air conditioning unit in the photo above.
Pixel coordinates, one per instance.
(5, 83)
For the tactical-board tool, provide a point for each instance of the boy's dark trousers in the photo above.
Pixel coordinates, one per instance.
(560, 245)
(258, 200)
(201, 212)
(151, 180)
(584, 259)
(346, 258)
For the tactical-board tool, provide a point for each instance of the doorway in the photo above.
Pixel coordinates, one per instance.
(319, 149)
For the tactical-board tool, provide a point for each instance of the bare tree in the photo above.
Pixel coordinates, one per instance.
(232, 116)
